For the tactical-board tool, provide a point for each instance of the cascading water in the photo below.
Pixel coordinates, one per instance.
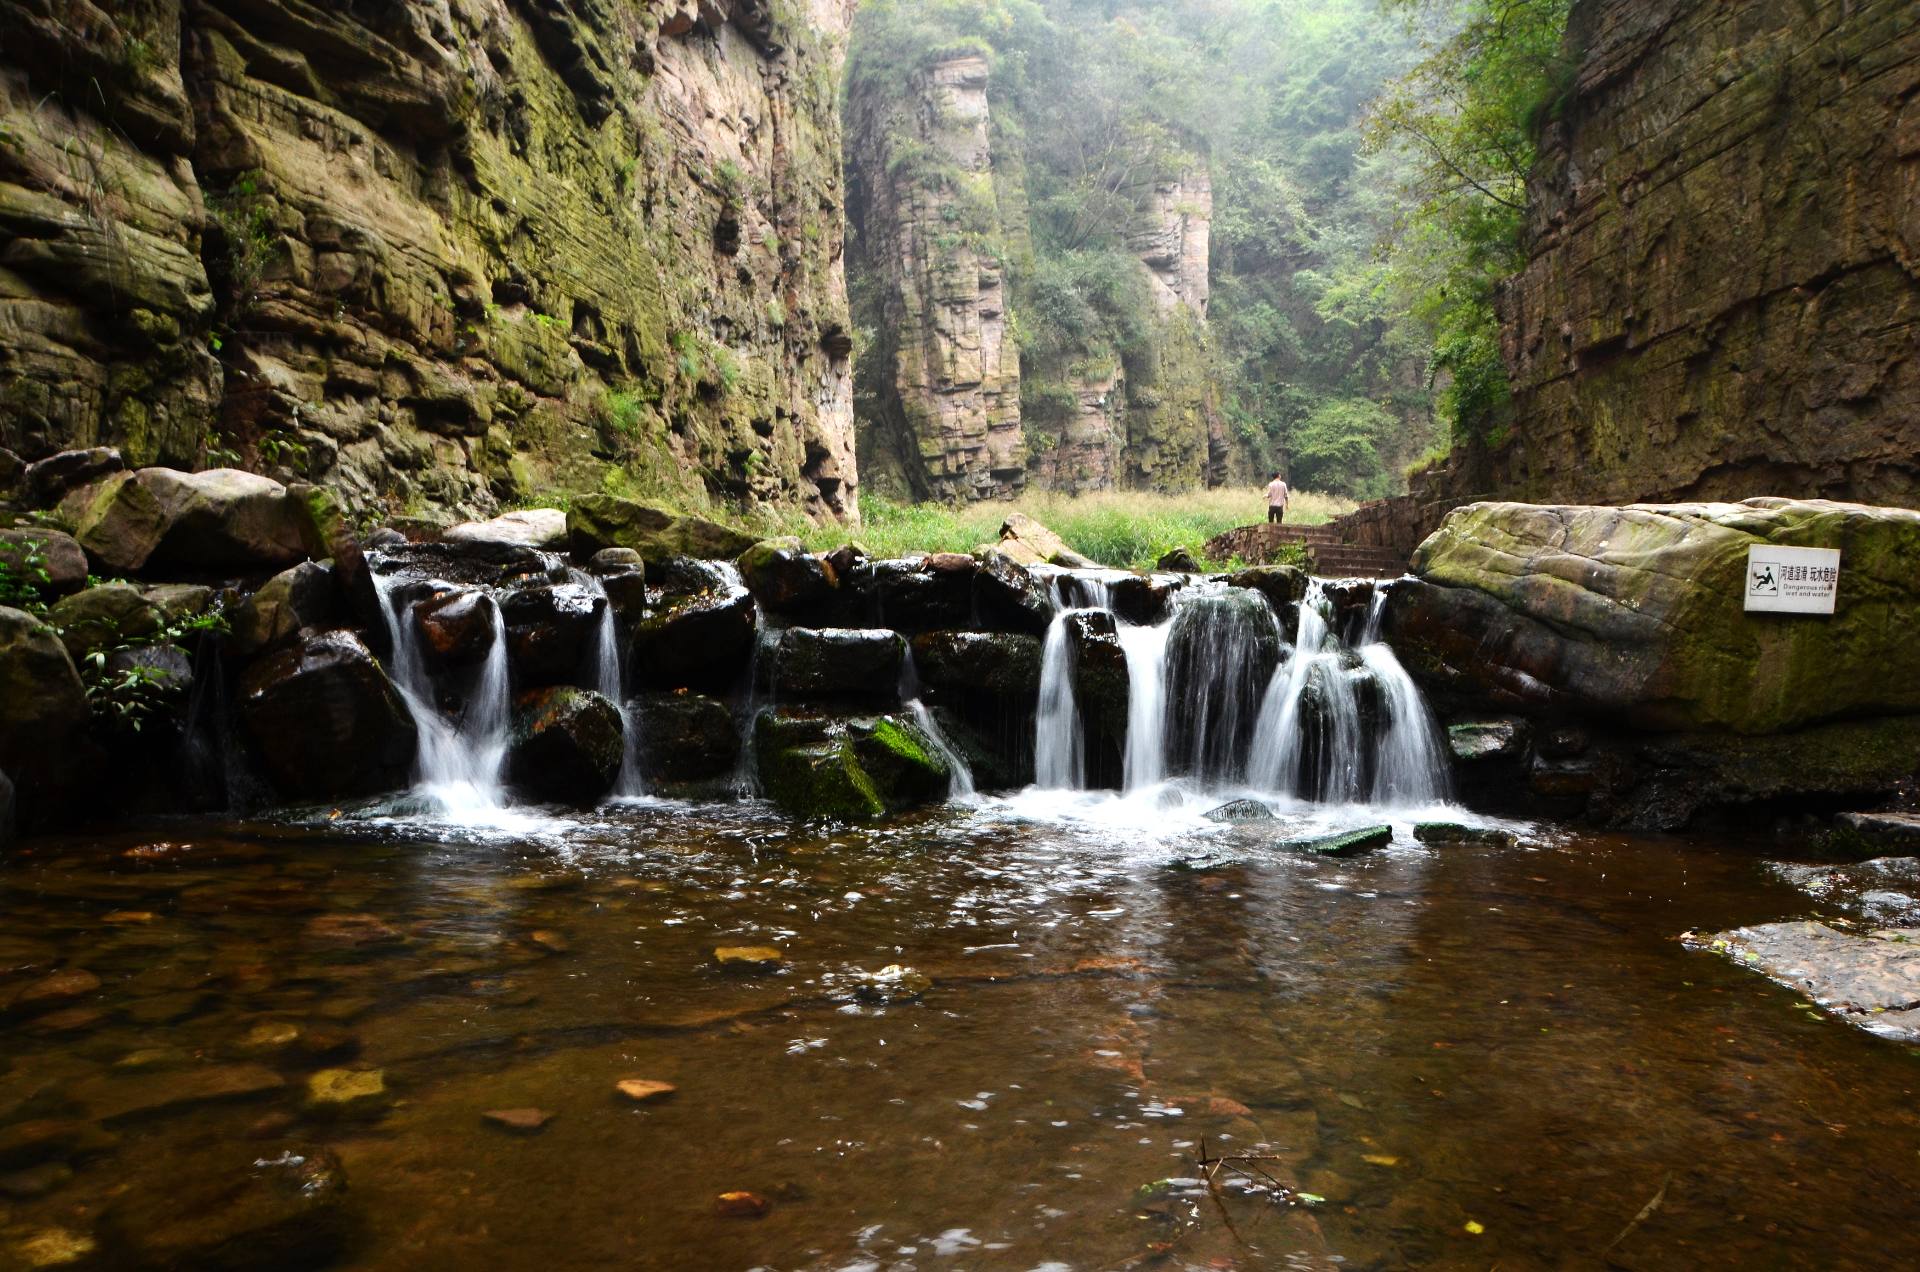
(1059, 749)
(960, 773)
(1146, 756)
(459, 760)
(610, 682)
(1410, 765)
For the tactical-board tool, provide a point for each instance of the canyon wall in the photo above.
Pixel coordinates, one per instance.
(962, 397)
(439, 255)
(1722, 296)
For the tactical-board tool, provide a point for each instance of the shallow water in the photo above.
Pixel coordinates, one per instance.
(1420, 1038)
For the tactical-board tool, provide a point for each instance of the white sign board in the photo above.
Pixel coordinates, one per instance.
(1792, 580)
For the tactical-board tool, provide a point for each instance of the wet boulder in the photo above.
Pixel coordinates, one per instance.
(476, 563)
(1284, 586)
(684, 738)
(928, 594)
(830, 768)
(1009, 599)
(838, 662)
(786, 579)
(264, 1208)
(103, 617)
(1100, 687)
(206, 522)
(608, 521)
(43, 726)
(543, 528)
(302, 598)
(1177, 561)
(1637, 615)
(996, 664)
(455, 627)
(551, 630)
(696, 640)
(1145, 599)
(623, 575)
(567, 745)
(41, 562)
(325, 719)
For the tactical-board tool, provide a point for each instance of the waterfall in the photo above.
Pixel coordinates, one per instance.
(1411, 756)
(746, 766)
(1146, 651)
(1223, 646)
(610, 682)
(1059, 750)
(459, 758)
(960, 773)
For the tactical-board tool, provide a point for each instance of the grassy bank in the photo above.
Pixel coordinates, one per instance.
(1130, 529)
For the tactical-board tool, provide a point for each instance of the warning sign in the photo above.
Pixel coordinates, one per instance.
(1792, 580)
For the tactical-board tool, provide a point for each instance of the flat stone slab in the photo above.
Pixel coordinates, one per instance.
(1891, 832)
(1345, 844)
(1883, 890)
(1870, 979)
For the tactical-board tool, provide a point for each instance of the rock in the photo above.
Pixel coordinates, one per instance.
(1284, 586)
(43, 728)
(45, 482)
(551, 629)
(1453, 833)
(39, 1140)
(1144, 599)
(1027, 542)
(1882, 832)
(1178, 561)
(607, 521)
(1870, 980)
(993, 664)
(518, 1121)
(698, 641)
(326, 721)
(119, 1099)
(12, 472)
(684, 737)
(836, 662)
(469, 564)
(54, 990)
(567, 745)
(278, 1210)
(42, 561)
(1475, 741)
(1635, 614)
(1883, 891)
(36, 1181)
(1007, 598)
(607, 560)
(846, 770)
(1100, 687)
(269, 1037)
(786, 579)
(1347, 843)
(1239, 810)
(646, 1090)
(104, 616)
(301, 598)
(347, 1092)
(894, 983)
(741, 1205)
(55, 1248)
(349, 930)
(913, 596)
(159, 519)
(544, 528)
(455, 627)
(623, 576)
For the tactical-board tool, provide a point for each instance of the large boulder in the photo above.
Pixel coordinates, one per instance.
(996, 664)
(1007, 598)
(1027, 542)
(46, 481)
(1636, 615)
(551, 628)
(103, 617)
(608, 521)
(455, 626)
(300, 598)
(697, 640)
(787, 579)
(326, 721)
(544, 528)
(567, 745)
(623, 576)
(40, 563)
(201, 523)
(836, 662)
(820, 767)
(684, 738)
(1100, 687)
(43, 725)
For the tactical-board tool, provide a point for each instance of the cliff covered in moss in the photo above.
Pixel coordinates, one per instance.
(437, 255)
(1722, 291)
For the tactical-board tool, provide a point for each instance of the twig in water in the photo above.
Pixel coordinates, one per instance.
(1646, 1212)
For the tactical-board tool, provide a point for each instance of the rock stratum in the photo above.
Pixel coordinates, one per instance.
(1722, 292)
(435, 255)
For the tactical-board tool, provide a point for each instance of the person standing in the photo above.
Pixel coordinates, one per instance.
(1276, 501)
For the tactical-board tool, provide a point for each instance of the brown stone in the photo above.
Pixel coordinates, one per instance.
(741, 1205)
(519, 1121)
(644, 1090)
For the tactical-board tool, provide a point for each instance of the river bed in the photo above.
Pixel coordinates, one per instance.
(998, 1032)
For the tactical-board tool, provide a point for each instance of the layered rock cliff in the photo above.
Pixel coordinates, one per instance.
(439, 254)
(956, 405)
(1722, 297)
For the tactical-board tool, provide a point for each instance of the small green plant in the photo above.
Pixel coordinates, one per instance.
(279, 448)
(624, 410)
(243, 219)
(127, 697)
(726, 367)
(23, 574)
(776, 313)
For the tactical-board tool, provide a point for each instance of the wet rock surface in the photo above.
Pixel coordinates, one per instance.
(567, 745)
(838, 662)
(607, 521)
(860, 769)
(699, 640)
(685, 738)
(1869, 978)
(326, 721)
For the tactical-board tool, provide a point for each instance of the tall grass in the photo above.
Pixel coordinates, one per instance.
(1128, 529)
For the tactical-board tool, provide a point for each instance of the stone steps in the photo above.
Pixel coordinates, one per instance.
(1342, 560)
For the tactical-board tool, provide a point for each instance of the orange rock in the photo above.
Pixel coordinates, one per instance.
(644, 1090)
(520, 1121)
(741, 1205)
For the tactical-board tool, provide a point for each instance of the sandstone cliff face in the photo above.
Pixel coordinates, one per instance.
(954, 409)
(947, 424)
(1723, 296)
(436, 254)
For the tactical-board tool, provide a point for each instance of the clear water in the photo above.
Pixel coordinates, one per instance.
(1424, 1039)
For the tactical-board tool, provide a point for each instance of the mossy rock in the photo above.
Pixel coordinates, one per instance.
(834, 769)
(609, 521)
(1347, 843)
(1453, 833)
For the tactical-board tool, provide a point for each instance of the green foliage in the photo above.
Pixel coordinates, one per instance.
(623, 409)
(125, 699)
(241, 218)
(23, 574)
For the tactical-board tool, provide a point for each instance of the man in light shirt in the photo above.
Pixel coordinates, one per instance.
(1276, 501)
